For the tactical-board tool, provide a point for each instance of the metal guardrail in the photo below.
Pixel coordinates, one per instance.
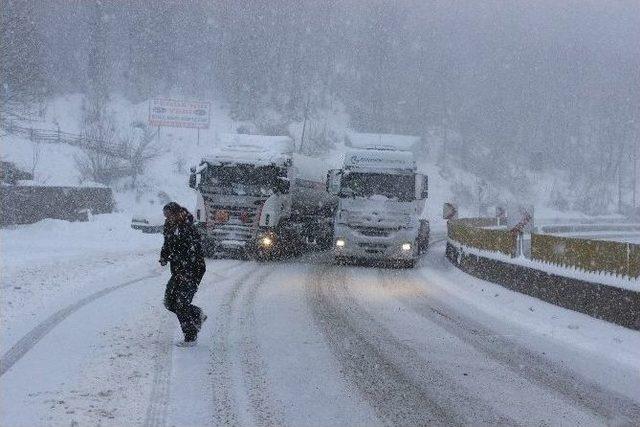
(59, 137)
(579, 228)
(470, 232)
(619, 258)
(610, 303)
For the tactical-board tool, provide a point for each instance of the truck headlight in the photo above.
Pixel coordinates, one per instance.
(406, 246)
(266, 241)
(340, 243)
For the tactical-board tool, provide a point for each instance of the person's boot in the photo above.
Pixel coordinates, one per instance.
(189, 341)
(203, 318)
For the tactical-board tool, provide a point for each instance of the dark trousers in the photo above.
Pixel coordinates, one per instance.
(177, 299)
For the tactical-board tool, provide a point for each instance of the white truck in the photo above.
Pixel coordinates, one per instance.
(381, 197)
(254, 201)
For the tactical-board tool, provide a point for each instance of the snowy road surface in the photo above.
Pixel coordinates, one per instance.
(305, 342)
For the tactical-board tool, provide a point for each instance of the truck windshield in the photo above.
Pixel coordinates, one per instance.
(396, 187)
(243, 180)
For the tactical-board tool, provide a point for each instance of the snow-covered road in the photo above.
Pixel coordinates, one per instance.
(306, 342)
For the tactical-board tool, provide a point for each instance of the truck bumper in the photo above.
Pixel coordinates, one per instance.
(349, 243)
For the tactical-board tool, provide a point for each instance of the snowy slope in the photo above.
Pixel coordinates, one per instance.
(166, 176)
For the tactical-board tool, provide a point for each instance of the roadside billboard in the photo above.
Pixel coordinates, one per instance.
(179, 114)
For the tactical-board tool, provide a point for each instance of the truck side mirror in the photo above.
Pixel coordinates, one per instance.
(283, 185)
(192, 180)
(334, 176)
(422, 187)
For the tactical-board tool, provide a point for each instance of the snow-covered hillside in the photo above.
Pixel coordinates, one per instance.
(165, 177)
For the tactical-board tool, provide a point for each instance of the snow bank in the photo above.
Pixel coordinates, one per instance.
(52, 240)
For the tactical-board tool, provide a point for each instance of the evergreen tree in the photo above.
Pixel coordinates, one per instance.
(23, 82)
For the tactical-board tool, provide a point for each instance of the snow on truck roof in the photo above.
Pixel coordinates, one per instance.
(382, 141)
(313, 168)
(254, 149)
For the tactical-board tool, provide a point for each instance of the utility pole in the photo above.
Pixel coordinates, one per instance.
(635, 173)
(620, 188)
(304, 123)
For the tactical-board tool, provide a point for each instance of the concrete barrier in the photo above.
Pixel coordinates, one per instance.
(29, 204)
(616, 305)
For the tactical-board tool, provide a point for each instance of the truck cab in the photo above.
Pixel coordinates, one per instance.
(380, 199)
(242, 191)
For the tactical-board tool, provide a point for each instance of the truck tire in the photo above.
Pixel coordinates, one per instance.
(340, 260)
(410, 263)
(262, 257)
(208, 249)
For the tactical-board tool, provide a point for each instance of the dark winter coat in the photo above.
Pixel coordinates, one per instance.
(183, 250)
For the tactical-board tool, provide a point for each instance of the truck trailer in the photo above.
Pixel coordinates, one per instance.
(381, 197)
(255, 201)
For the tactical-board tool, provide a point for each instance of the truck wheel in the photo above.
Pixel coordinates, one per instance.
(208, 249)
(340, 260)
(260, 257)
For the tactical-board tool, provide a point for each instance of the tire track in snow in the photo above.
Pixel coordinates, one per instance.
(224, 406)
(517, 358)
(159, 402)
(244, 377)
(400, 386)
(29, 340)
(157, 409)
(266, 412)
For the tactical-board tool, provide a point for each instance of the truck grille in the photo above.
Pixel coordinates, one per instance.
(374, 248)
(367, 245)
(373, 231)
(239, 228)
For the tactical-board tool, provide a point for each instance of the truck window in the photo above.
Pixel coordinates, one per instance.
(243, 180)
(394, 187)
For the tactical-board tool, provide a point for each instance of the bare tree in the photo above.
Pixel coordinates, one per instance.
(139, 149)
(97, 165)
(23, 83)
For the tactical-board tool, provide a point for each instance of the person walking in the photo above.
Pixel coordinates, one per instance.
(183, 251)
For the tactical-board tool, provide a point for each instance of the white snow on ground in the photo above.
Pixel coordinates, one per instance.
(264, 356)
(86, 339)
(52, 263)
(588, 342)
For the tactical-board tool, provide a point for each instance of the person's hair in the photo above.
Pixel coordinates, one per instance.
(172, 207)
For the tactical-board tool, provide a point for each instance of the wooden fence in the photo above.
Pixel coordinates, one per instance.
(472, 232)
(59, 137)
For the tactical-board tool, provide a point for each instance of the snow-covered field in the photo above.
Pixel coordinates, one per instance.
(86, 341)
